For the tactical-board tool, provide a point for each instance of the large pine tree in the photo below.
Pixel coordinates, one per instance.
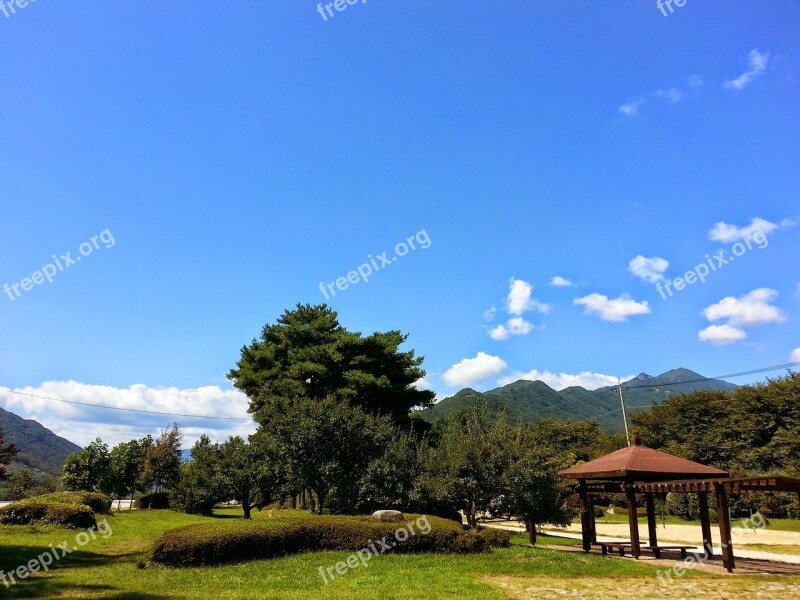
(308, 354)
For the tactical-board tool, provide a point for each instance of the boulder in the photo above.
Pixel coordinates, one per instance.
(388, 516)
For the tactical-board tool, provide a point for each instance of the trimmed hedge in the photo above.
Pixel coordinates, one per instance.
(496, 538)
(34, 510)
(99, 503)
(155, 500)
(230, 541)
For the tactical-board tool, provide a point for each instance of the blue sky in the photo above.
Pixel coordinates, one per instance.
(240, 154)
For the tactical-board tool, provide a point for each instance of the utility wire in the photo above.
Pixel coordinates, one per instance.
(191, 416)
(133, 410)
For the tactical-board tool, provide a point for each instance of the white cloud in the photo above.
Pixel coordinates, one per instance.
(515, 326)
(618, 309)
(648, 269)
(721, 334)
(520, 299)
(472, 370)
(728, 232)
(672, 94)
(756, 63)
(559, 381)
(488, 314)
(81, 424)
(795, 355)
(750, 310)
(631, 109)
(560, 281)
(499, 333)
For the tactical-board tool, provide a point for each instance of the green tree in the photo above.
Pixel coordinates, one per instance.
(392, 480)
(533, 489)
(468, 465)
(126, 464)
(88, 469)
(201, 484)
(163, 460)
(21, 483)
(308, 354)
(325, 445)
(7, 454)
(247, 471)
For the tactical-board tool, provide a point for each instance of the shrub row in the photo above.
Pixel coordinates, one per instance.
(496, 538)
(99, 503)
(34, 510)
(228, 541)
(156, 500)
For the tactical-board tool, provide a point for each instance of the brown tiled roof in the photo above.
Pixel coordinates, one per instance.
(639, 463)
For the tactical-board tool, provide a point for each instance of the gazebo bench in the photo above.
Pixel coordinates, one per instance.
(656, 550)
(606, 546)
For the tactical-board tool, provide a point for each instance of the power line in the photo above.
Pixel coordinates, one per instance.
(754, 371)
(133, 410)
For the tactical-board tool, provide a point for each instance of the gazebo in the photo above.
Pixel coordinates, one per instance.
(641, 470)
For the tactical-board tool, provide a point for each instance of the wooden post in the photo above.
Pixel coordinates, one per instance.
(592, 520)
(633, 521)
(724, 527)
(705, 524)
(652, 524)
(585, 527)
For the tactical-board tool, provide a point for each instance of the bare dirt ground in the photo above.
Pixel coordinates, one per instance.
(635, 587)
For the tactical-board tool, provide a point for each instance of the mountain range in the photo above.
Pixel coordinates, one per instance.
(39, 448)
(530, 401)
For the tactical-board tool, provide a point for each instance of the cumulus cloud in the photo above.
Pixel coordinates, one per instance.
(472, 370)
(81, 424)
(750, 310)
(721, 334)
(756, 64)
(560, 281)
(559, 381)
(728, 232)
(650, 269)
(520, 299)
(618, 309)
(795, 355)
(631, 109)
(515, 326)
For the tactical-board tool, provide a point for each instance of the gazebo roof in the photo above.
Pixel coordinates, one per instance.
(639, 463)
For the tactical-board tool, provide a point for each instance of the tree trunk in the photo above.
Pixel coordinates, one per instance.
(246, 508)
(303, 504)
(532, 532)
(320, 501)
(293, 501)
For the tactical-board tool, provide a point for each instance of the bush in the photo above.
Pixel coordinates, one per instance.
(36, 511)
(496, 538)
(599, 512)
(99, 503)
(267, 537)
(156, 500)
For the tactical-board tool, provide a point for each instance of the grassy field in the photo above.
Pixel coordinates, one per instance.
(107, 568)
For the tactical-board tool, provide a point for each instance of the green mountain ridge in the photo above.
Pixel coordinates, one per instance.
(40, 449)
(530, 401)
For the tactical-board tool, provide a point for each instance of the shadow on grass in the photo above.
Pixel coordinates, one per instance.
(41, 585)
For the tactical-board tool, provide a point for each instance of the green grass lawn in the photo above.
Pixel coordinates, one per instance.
(107, 568)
